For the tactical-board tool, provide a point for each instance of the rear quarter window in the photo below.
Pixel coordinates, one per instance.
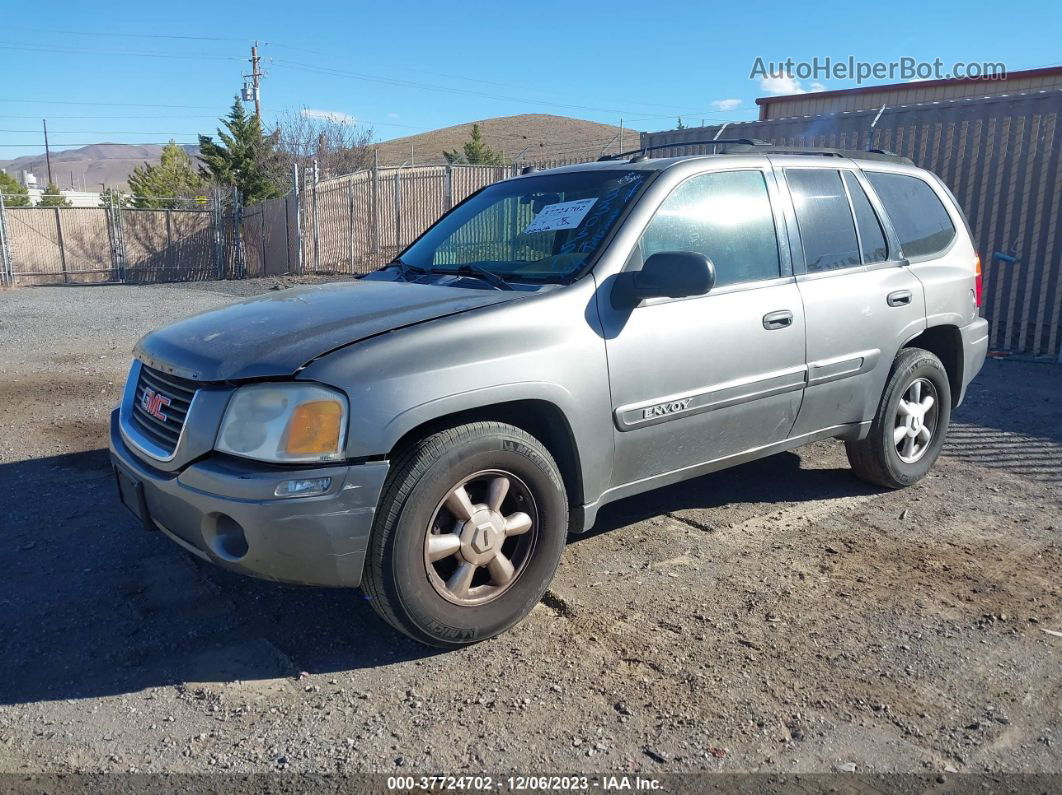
(921, 222)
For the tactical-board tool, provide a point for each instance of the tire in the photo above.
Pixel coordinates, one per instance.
(410, 589)
(880, 457)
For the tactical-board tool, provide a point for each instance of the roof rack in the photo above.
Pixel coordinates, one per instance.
(743, 141)
(855, 154)
(735, 146)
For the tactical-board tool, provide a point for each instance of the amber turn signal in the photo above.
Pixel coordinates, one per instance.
(314, 428)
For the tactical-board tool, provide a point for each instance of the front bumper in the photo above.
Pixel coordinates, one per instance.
(318, 540)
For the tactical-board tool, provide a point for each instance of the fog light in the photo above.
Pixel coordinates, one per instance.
(303, 488)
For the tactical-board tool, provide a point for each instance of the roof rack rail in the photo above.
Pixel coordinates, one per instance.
(751, 142)
(856, 154)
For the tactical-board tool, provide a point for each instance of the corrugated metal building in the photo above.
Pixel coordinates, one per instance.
(1000, 157)
(913, 93)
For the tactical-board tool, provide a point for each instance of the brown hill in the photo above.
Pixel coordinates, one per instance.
(538, 136)
(532, 136)
(88, 167)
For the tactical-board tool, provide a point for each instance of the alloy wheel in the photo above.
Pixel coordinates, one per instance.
(916, 420)
(481, 537)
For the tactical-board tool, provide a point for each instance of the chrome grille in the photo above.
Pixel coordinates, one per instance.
(174, 397)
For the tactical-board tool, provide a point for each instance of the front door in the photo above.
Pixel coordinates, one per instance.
(706, 377)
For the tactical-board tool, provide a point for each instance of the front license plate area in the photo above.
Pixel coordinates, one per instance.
(131, 493)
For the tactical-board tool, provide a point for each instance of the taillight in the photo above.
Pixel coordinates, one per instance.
(978, 281)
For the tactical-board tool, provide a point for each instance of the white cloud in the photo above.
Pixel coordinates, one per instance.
(329, 115)
(780, 86)
(392, 115)
(726, 104)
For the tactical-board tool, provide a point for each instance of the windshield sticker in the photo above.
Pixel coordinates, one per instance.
(589, 237)
(566, 215)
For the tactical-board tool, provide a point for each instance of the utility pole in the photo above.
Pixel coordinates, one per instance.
(47, 151)
(256, 76)
(621, 136)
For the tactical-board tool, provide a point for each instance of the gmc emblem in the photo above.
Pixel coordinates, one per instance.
(153, 403)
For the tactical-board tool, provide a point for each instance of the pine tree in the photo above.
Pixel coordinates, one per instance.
(173, 183)
(680, 125)
(14, 194)
(476, 152)
(52, 197)
(243, 158)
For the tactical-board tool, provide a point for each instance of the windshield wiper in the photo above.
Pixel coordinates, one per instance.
(491, 278)
(405, 269)
(469, 269)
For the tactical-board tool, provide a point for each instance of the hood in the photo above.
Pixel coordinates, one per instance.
(278, 333)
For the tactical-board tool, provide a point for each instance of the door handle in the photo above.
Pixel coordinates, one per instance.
(899, 298)
(779, 319)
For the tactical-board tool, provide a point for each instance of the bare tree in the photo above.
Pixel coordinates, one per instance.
(339, 145)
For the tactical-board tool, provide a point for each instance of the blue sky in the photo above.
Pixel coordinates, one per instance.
(405, 67)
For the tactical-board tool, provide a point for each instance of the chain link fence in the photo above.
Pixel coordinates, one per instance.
(346, 225)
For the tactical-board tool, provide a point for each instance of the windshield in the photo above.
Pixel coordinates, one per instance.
(535, 228)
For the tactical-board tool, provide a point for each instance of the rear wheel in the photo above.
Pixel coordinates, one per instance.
(468, 534)
(912, 420)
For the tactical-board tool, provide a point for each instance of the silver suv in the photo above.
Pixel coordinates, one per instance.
(434, 430)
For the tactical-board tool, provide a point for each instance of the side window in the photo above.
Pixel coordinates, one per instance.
(871, 236)
(922, 224)
(724, 215)
(824, 218)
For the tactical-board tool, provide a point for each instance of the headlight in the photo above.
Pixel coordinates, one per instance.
(284, 423)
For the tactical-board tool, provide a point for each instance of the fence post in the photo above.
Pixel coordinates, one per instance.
(62, 246)
(350, 208)
(237, 233)
(316, 221)
(298, 218)
(375, 216)
(219, 248)
(111, 236)
(448, 188)
(119, 238)
(170, 254)
(398, 211)
(7, 275)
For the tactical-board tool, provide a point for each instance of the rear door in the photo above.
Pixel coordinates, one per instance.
(701, 378)
(861, 300)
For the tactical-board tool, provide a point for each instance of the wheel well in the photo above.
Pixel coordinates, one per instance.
(540, 418)
(946, 343)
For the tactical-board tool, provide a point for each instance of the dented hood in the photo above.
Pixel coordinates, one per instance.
(278, 333)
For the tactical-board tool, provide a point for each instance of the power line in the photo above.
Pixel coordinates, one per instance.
(319, 53)
(346, 57)
(103, 132)
(107, 104)
(104, 143)
(153, 116)
(124, 35)
(446, 89)
(4, 45)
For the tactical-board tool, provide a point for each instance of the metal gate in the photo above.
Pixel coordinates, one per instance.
(92, 245)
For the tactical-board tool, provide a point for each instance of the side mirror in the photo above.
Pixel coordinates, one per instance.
(666, 274)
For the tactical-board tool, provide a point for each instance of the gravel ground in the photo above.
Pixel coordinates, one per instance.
(781, 616)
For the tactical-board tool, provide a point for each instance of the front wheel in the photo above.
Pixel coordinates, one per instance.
(908, 431)
(468, 534)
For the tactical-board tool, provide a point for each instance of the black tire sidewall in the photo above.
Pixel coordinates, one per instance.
(920, 365)
(431, 614)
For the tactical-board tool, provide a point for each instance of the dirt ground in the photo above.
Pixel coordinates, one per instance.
(781, 616)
